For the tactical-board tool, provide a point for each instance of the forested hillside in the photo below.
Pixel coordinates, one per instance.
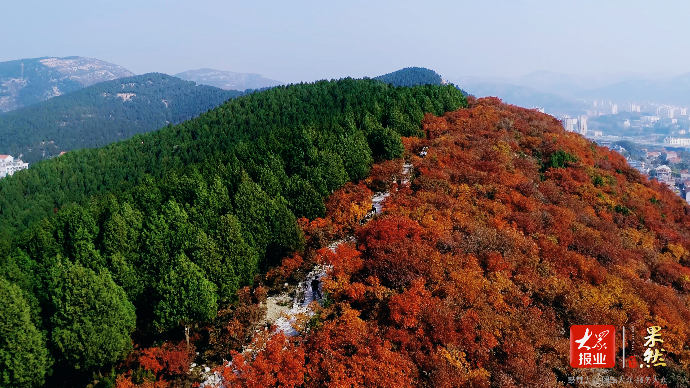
(510, 231)
(411, 76)
(25, 82)
(156, 233)
(104, 113)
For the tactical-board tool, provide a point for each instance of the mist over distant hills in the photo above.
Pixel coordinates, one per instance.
(558, 93)
(25, 82)
(228, 80)
(674, 91)
(526, 97)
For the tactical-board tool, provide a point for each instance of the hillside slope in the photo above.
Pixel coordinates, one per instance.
(158, 233)
(26, 82)
(104, 113)
(228, 80)
(510, 231)
(411, 76)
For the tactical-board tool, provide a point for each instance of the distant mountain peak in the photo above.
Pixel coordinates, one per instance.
(86, 71)
(25, 82)
(228, 80)
(411, 76)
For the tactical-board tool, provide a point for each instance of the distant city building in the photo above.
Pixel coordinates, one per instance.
(664, 112)
(677, 141)
(626, 124)
(663, 171)
(8, 165)
(663, 175)
(568, 123)
(683, 111)
(634, 108)
(669, 154)
(637, 165)
(650, 119)
(614, 109)
(653, 154)
(582, 125)
(617, 148)
(597, 133)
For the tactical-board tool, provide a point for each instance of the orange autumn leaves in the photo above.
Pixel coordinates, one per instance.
(510, 231)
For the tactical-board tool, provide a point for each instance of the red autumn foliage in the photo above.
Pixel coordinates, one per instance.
(384, 174)
(474, 273)
(347, 206)
(349, 352)
(287, 267)
(168, 359)
(233, 328)
(393, 250)
(317, 232)
(279, 364)
(124, 381)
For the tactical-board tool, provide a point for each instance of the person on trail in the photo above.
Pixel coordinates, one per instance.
(373, 208)
(315, 289)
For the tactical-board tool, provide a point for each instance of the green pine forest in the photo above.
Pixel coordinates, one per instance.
(150, 234)
(411, 76)
(104, 113)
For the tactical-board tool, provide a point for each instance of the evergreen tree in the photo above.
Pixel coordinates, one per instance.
(306, 202)
(243, 258)
(93, 318)
(356, 154)
(23, 355)
(184, 295)
(253, 207)
(385, 144)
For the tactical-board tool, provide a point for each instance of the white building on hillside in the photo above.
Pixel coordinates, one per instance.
(8, 165)
(568, 123)
(676, 141)
(663, 175)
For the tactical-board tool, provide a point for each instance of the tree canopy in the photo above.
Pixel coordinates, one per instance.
(509, 231)
(93, 318)
(173, 224)
(24, 357)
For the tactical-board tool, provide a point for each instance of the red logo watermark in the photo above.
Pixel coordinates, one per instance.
(592, 346)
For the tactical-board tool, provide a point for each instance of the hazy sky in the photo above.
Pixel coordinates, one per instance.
(294, 41)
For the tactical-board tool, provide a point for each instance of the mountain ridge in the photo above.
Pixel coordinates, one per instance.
(103, 113)
(228, 80)
(24, 82)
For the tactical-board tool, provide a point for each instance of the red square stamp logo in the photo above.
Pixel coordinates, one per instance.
(592, 346)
